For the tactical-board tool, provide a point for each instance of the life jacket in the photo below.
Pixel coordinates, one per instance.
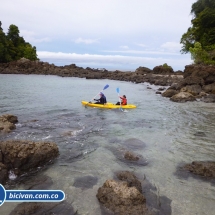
(124, 101)
(103, 99)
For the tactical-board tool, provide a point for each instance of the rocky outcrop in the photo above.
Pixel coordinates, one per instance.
(158, 76)
(7, 123)
(193, 89)
(169, 93)
(208, 98)
(199, 81)
(3, 172)
(124, 196)
(143, 70)
(122, 199)
(205, 169)
(210, 88)
(23, 156)
(182, 97)
(162, 70)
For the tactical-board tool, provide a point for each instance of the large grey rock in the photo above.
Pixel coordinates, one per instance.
(182, 97)
(169, 93)
(22, 156)
(209, 98)
(194, 89)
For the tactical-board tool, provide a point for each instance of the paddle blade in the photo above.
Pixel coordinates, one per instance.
(117, 89)
(105, 87)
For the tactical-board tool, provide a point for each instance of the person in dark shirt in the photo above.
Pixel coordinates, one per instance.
(102, 99)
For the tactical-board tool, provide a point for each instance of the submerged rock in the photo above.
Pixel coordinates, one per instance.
(134, 143)
(39, 208)
(202, 168)
(200, 134)
(131, 156)
(41, 182)
(128, 157)
(85, 182)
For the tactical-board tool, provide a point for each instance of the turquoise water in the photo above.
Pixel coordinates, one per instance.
(90, 140)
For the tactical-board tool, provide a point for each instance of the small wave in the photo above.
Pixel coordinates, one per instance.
(89, 151)
(44, 138)
(74, 133)
(12, 175)
(18, 125)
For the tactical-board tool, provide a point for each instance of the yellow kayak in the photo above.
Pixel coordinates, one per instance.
(108, 105)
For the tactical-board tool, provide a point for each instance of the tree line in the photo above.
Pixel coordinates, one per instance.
(199, 40)
(13, 46)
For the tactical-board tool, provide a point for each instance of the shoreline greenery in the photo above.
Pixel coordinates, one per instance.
(199, 39)
(13, 47)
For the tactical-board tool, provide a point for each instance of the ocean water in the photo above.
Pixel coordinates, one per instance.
(91, 141)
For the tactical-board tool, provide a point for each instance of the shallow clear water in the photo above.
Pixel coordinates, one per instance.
(90, 140)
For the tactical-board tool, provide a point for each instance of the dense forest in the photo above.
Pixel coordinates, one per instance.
(13, 47)
(199, 40)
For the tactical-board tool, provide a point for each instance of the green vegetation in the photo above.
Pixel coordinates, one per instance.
(199, 39)
(166, 66)
(13, 47)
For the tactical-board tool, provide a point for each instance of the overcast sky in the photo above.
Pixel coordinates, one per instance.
(111, 34)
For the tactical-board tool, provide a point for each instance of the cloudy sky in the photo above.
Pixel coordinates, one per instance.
(111, 34)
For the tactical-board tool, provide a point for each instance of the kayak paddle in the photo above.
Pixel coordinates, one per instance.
(105, 87)
(117, 90)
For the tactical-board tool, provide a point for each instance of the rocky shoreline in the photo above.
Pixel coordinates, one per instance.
(126, 193)
(196, 82)
(159, 75)
(21, 156)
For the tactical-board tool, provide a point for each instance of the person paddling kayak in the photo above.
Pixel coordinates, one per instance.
(102, 99)
(123, 100)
